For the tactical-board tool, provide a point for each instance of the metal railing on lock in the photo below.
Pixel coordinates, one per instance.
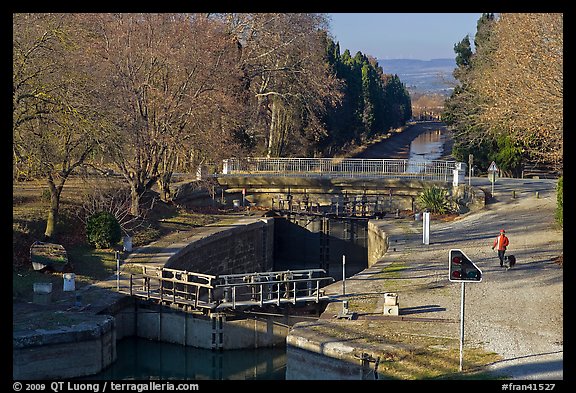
(272, 288)
(179, 287)
(437, 170)
(203, 291)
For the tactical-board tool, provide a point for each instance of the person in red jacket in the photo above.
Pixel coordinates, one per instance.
(501, 242)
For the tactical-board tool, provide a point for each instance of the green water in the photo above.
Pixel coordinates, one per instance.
(141, 359)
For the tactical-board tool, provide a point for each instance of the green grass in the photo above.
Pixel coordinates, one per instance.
(23, 282)
(47, 320)
(441, 364)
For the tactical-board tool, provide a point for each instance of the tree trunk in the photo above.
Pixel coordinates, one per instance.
(271, 130)
(164, 182)
(135, 199)
(55, 192)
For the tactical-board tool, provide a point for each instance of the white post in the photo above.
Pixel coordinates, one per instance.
(455, 173)
(118, 271)
(470, 162)
(426, 228)
(343, 274)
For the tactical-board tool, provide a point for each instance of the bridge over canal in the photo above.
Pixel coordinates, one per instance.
(387, 185)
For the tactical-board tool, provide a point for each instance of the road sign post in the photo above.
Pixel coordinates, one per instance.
(462, 269)
(117, 255)
(343, 274)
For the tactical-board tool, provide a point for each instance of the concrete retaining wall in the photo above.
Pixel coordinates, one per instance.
(161, 323)
(377, 241)
(314, 356)
(71, 351)
(311, 365)
(396, 193)
(247, 246)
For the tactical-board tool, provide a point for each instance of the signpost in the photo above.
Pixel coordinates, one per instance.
(462, 269)
(343, 274)
(117, 270)
(492, 172)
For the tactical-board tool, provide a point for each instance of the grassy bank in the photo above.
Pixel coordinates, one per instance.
(29, 213)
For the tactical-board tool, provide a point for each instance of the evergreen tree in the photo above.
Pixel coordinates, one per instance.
(463, 52)
(373, 102)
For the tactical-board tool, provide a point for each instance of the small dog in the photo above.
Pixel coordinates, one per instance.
(509, 261)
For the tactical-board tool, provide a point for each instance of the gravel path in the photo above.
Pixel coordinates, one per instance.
(518, 313)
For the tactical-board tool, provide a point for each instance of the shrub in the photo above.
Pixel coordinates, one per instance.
(103, 230)
(434, 199)
(46, 195)
(508, 154)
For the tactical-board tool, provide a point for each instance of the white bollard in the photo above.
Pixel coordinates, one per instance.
(426, 228)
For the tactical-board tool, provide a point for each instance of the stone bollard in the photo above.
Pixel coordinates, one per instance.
(391, 304)
(42, 293)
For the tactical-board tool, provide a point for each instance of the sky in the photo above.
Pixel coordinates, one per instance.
(421, 36)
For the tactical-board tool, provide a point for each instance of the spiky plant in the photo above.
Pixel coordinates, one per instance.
(434, 199)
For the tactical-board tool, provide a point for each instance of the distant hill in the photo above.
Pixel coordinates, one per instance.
(423, 76)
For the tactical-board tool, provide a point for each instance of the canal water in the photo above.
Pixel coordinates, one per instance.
(142, 359)
(427, 146)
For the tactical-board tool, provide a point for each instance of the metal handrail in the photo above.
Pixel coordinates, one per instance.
(257, 288)
(340, 167)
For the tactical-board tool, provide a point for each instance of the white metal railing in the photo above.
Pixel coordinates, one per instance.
(341, 167)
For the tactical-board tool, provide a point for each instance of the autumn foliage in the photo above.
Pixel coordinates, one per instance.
(511, 88)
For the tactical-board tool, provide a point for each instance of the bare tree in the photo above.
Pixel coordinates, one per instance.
(53, 123)
(282, 60)
(162, 76)
(523, 84)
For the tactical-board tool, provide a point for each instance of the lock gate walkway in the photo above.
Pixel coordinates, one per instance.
(211, 293)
